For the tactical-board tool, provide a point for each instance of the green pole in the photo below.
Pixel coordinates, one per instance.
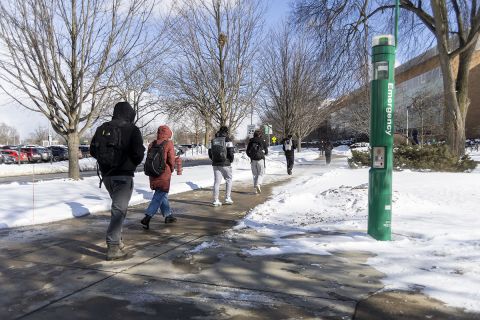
(381, 138)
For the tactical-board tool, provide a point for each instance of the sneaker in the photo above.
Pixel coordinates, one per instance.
(228, 201)
(146, 222)
(114, 252)
(258, 189)
(216, 203)
(289, 171)
(170, 219)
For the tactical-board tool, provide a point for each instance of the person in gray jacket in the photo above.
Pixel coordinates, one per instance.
(221, 153)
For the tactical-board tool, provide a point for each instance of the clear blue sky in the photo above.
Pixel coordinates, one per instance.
(276, 11)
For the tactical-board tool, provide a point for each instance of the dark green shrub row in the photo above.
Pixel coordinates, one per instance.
(428, 157)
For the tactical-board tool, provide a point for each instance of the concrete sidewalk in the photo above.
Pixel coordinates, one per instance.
(58, 271)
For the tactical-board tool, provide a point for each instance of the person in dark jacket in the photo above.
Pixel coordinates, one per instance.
(161, 184)
(119, 180)
(221, 153)
(257, 149)
(289, 145)
(328, 151)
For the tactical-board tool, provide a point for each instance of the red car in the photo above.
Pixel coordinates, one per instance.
(32, 154)
(14, 154)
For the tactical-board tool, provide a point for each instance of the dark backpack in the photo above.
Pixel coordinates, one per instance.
(288, 145)
(219, 149)
(155, 162)
(255, 152)
(108, 145)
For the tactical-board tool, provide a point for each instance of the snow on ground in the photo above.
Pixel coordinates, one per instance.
(86, 164)
(435, 225)
(475, 155)
(46, 201)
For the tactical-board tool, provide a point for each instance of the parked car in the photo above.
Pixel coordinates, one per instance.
(32, 154)
(10, 147)
(59, 153)
(85, 150)
(14, 155)
(6, 159)
(45, 153)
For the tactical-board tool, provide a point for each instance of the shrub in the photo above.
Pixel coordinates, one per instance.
(359, 159)
(428, 157)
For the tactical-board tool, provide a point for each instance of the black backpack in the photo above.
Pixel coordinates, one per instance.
(108, 145)
(155, 162)
(219, 150)
(255, 152)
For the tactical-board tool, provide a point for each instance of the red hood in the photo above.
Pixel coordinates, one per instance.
(164, 133)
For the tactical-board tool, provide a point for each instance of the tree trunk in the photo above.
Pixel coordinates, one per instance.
(299, 146)
(455, 89)
(73, 140)
(205, 140)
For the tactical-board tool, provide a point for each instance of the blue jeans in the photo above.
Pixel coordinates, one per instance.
(159, 200)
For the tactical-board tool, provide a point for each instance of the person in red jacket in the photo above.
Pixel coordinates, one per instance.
(161, 184)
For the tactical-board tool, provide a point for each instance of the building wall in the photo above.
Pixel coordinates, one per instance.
(426, 76)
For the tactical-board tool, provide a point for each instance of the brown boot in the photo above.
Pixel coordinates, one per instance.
(114, 252)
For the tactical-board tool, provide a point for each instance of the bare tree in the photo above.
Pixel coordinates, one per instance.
(296, 86)
(62, 55)
(139, 78)
(217, 43)
(424, 114)
(454, 26)
(8, 134)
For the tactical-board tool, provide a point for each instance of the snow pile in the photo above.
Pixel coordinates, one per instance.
(342, 150)
(26, 169)
(46, 201)
(435, 225)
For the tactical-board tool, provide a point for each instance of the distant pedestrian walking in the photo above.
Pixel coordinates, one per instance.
(221, 153)
(257, 149)
(118, 147)
(159, 166)
(321, 148)
(328, 152)
(289, 146)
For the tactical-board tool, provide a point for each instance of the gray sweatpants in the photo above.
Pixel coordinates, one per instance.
(120, 189)
(226, 173)
(258, 170)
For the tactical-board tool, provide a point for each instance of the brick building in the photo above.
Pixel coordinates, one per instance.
(422, 77)
(419, 99)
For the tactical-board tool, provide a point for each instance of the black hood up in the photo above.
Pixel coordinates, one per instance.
(123, 111)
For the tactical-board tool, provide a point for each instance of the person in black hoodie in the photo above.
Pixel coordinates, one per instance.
(289, 145)
(117, 162)
(221, 153)
(257, 149)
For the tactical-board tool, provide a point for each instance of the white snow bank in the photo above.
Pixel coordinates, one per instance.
(435, 224)
(45, 201)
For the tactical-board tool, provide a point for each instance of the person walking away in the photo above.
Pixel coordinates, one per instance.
(289, 146)
(328, 152)
(221, 153)
(118, 147)
(257, 149)
(159, 166)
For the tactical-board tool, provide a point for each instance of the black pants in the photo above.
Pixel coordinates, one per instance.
(328, 157)
(290, 159)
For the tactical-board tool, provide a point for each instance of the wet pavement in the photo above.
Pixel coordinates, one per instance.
(58, 271)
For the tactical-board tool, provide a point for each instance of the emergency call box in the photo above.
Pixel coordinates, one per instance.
(378, 157)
